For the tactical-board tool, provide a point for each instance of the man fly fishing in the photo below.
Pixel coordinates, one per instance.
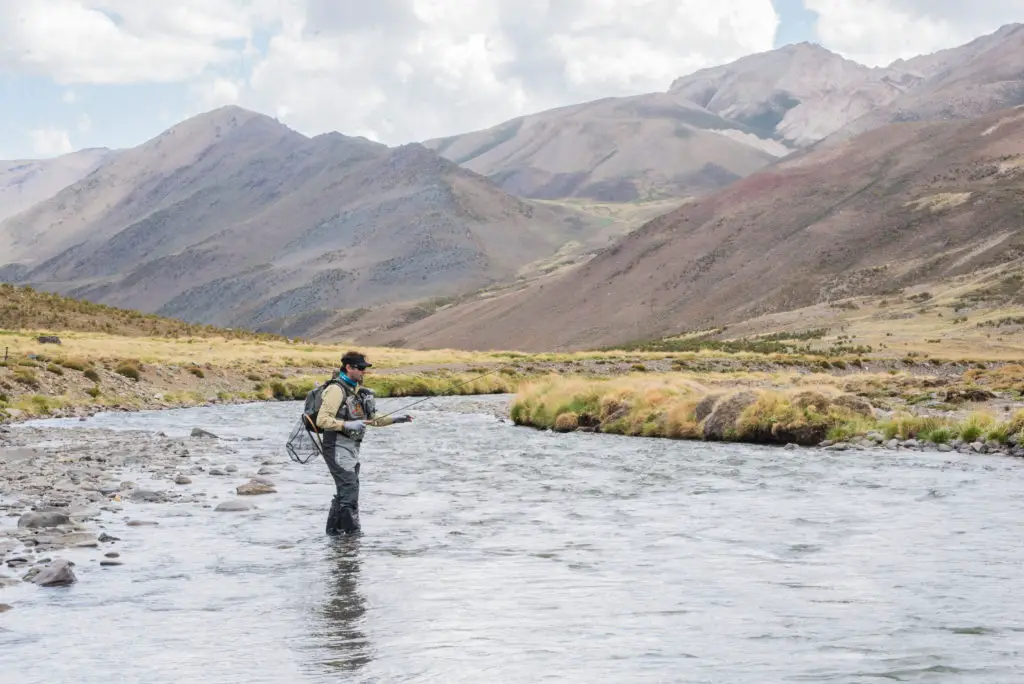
(346, 409)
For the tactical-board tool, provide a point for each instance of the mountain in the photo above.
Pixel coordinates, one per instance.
(615, 149)
(28, 181)
(797, 94)
(231, 218)
(975, 79)
(723, 123)
(899, 205)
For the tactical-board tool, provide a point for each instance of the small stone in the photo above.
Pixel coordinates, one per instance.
(183, 480)
(944, 448)
(141, 523)
(110, 563)
(43, 519)
(112, 554)
(104, 537)
(232, 468)
(892, 444)
(234, 506)
(254, 487)
(198, 432)
(4, 607)
(147, 496)
(266, 471)
(217, 471)
(56, 574)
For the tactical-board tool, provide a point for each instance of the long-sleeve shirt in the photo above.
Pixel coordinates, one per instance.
(326, 418)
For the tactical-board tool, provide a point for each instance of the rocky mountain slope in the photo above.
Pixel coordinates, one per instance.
(975, 79)
(902, 204)
(25, 182)
(617, 149)
(797, 94)
(231, 218)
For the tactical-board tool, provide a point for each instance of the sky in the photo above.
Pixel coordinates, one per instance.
(76, 74)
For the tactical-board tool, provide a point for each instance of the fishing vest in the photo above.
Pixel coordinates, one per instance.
(359, 403)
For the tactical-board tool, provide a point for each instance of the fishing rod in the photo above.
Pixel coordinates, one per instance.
(455, 387)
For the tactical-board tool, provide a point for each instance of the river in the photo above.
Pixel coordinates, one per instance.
(497, 553)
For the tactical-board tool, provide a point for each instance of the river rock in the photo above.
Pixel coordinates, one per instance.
(147, 496)
(234, 506)
(4, 607)
(203, 434)
(56, 574)
(217, 471)
(182, 480)
(256, 486)
(110, 562)
(231, 468)
(36, 519)
(266, 471)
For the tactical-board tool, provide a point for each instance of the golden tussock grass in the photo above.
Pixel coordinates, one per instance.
(680, 407)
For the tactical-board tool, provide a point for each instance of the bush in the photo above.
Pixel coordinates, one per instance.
(129, 370)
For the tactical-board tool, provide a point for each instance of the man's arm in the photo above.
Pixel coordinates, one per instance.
(325, 417)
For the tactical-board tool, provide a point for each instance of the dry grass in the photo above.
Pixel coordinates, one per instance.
(681, 407)
(943, 200)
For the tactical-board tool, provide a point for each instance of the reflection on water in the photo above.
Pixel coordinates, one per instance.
(342, 615)
(496, 553)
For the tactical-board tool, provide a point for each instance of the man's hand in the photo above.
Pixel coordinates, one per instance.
(357, 427)
(402, 419)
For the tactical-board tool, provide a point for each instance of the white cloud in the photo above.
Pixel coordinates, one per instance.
(405, 70)
(402, 70)
(125, 41)
(878, 32)
(50, 142)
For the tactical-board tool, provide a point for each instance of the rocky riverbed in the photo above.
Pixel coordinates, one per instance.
(63, 491)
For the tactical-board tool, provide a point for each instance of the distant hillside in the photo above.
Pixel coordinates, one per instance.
(797, 94)
(975, 79)
(903, 204)
(25, 182)
(617, 149)
(23, 308)
(231, 218)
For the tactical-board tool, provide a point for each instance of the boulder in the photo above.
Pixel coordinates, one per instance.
(38, 519)
(722, 419)
(255, 486)
(57, 573)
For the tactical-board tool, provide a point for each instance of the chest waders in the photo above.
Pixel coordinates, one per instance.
(341, 452)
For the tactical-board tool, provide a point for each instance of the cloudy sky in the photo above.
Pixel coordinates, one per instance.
(113, 73)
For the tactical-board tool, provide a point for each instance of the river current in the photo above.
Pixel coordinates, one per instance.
(494, 553)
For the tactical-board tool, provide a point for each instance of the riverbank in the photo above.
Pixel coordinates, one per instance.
(90, 372)
(979, 410)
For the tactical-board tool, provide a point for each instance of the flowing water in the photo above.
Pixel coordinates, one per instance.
(497, 553)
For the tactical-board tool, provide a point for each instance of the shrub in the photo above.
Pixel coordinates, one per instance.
(129, 370)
